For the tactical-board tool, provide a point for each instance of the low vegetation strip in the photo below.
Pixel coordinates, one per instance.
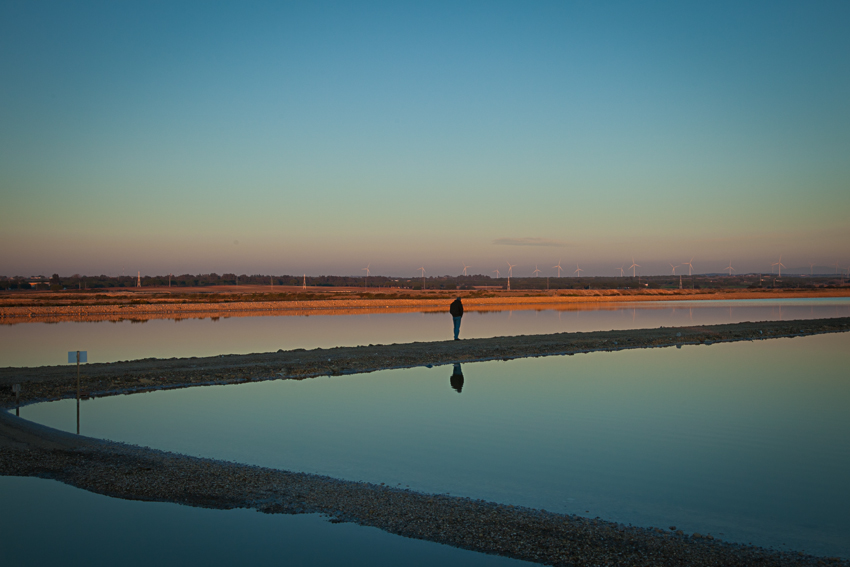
(55, 382)
(48, 307)
(137, 473)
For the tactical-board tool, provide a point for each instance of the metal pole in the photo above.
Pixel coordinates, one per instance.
(78, 392)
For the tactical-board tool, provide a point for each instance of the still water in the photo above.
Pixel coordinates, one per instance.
(746, 441)
(45, 522)
(38, 344)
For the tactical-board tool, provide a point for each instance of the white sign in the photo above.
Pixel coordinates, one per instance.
(72, 356)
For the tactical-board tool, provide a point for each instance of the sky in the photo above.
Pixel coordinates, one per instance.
(322, 137)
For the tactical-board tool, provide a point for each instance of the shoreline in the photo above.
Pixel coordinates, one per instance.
(137, 473)
(44, 383)
(52, 309)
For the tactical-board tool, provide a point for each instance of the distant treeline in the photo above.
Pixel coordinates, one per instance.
(80, 282)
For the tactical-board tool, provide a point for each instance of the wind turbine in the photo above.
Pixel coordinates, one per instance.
(779, 264)
(730, 268)
(464, 268)
(423, 278)
(558, 265)
(367, 273)
(811, 270)
(674, 268)
(633, 266)
(690, 265)
(510, 273)
(536, 271)
(497, 273)
(578, 271)
(621, 270)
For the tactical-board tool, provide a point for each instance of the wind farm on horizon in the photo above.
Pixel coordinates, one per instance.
(810, 268)
(516, 277)
(512, 275)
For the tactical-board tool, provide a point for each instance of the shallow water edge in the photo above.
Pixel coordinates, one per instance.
(46, 383)
(135, 473)
(129, 472)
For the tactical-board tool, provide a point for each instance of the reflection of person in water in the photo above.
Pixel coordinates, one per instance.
(457, 379)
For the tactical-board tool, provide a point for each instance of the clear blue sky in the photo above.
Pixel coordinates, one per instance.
(321, 137)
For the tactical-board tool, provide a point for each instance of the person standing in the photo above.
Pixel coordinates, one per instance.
(456, 310)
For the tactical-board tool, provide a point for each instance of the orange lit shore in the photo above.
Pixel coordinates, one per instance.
(250, 301)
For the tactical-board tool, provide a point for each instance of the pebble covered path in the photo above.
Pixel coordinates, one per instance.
(136, 473)
(56, 382)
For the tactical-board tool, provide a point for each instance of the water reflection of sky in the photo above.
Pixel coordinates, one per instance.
(35, 344)
(747, 441)
(48, 523)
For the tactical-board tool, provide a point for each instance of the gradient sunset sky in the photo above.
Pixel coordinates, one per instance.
(284, 137)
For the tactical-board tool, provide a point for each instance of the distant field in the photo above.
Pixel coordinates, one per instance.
(246, 301)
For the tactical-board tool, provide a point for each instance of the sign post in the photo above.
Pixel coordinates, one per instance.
(17, 389)
(78, 357)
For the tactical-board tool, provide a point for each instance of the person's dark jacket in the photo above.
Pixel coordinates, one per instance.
(456, 308)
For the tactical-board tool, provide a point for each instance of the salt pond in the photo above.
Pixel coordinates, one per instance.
(37, 344)
(746, 441)
(48, 523)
